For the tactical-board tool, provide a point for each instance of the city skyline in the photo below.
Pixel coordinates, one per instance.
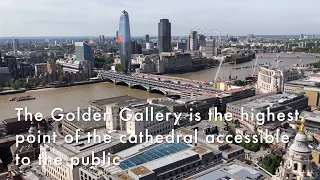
(83, 18)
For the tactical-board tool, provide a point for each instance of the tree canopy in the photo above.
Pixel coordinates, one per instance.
(271, 163)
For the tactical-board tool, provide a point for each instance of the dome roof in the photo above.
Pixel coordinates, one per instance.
(300, 144)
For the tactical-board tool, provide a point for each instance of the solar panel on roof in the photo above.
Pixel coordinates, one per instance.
(154, 153)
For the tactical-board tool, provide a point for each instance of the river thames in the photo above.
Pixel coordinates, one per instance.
(79, 96)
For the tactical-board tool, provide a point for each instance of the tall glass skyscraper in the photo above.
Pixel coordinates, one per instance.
(124, 39)
(164, 36)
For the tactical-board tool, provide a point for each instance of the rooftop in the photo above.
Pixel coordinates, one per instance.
(113, 100)
(123, 176)
(152, 154)
(84, 124)
(261, 102)
(231, 171)
(141, 170)
(83, 148)
(201, 150)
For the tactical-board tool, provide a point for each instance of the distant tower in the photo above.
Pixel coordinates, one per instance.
(193, 41)
(0, 59)
(164, 36)
(147, 37)
(124, 38)
(15, 45)
(103, 39)
(117, 35)
(298, 164)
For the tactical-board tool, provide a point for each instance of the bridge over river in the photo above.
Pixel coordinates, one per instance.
(160, 84)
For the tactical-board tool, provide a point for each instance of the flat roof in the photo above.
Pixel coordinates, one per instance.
(86, 125)
(118, 100)
(157, 152)
(141, 170)
(233, 171)
(153, 165)
(123, 176)
(83, 148)
(201, 150)
(261, 102)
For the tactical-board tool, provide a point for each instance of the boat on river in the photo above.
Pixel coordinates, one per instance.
(23, 98)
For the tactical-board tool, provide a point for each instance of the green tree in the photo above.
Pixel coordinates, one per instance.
(27, 85)
(7, 84)
(36, 83)
(120, 68)
(15, 85)
(212, 62)
(271, 163)
(43, 83)
(63, 78)
(255, 147)
(239, 83)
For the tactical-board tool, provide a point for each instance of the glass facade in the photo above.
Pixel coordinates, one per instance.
(164, 36)
(84, 52)
(124, 39)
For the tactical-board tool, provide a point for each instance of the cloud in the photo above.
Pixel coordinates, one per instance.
(93, 17)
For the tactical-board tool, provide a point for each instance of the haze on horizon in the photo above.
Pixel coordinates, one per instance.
(35, 18)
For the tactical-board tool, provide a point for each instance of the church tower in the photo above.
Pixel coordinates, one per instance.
(298, 163)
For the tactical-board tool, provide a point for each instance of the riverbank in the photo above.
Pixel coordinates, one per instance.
(48, 87)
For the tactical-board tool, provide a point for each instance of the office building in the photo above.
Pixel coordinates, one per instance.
(181, 46)
(272, 79)
(278, 103)
(80, 150)
(71, 127)
(309, 86)
(312, 120)
(210, 48)
(5, 76)
(152, 161)
(40, 69)
(117, 35)
(85, 57)
(149, 46)
(84, 52)
(298, 162)
(1, 63)
(11, 63)
(15, 45)
(164, 36)
(173, 62)
(136, 47)
(101, 39)
(124, 38)
(301, 36)
(194, 41)
(147, 37)
(201, 40)
(232, 171)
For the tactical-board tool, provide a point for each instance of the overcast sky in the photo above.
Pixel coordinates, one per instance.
(94, 17)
